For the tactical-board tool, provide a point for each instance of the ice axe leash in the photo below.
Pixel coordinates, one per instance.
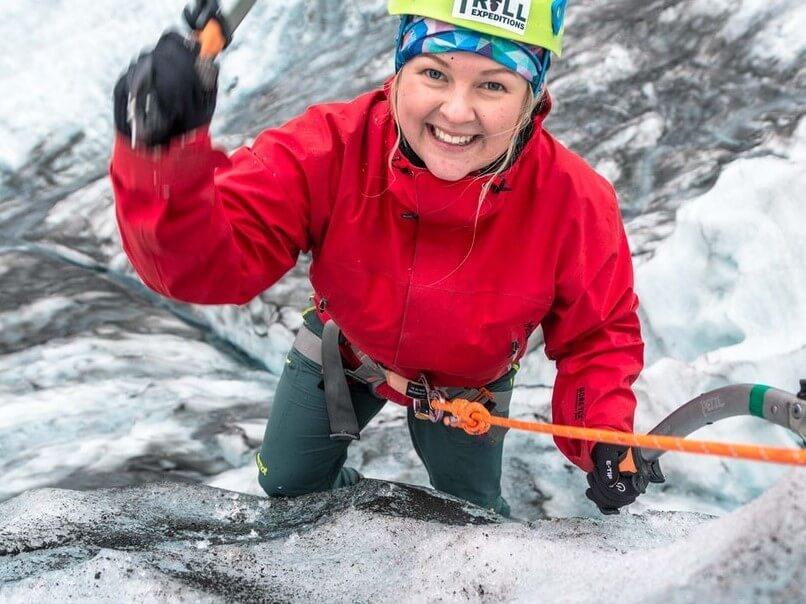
(213, 28)
(771, 404)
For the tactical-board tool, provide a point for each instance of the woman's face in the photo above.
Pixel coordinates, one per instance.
(458, 110)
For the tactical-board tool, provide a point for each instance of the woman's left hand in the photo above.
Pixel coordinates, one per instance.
(611, 489)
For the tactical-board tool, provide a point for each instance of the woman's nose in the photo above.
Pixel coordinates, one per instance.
(457, 109)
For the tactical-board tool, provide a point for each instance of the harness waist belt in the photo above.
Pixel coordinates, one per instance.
(329, 351)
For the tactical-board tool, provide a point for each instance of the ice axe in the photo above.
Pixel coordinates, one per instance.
(774, 405)
(757, 400)
(213, 28)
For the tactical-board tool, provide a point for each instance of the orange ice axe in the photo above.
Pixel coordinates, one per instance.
(214, 27)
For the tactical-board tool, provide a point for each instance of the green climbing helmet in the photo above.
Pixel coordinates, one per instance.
(535, 22)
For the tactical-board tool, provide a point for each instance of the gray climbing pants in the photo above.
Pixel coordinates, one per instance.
(298, 457)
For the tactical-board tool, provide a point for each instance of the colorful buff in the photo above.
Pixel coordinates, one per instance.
(419, 35)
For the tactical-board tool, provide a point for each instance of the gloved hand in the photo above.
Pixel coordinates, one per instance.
(165, 93)
(611, 489)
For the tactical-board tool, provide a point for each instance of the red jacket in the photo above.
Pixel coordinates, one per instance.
(550, 249)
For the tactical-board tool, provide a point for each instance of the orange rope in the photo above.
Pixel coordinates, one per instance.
(474, 418)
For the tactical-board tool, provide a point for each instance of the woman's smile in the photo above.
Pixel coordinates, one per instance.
(452, 141)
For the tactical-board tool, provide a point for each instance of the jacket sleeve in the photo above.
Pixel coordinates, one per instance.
(592, 330)
(203, 228)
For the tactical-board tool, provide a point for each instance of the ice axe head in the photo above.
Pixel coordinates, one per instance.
(206, 19)
(212, 39)
(214, 27)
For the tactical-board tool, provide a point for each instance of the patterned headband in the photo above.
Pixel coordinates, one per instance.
(419, 35)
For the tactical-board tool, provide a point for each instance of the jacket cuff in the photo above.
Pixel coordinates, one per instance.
(181, 163)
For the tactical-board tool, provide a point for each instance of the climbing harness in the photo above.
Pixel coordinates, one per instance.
(429, 406)
(425, 408)
(341, 360)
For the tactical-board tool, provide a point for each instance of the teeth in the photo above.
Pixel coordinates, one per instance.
(451, 140)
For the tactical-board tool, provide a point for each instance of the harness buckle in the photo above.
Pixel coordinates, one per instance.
(486, 398)
(422, 406)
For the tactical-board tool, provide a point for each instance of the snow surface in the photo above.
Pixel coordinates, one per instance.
(381, 542)
(694, 108)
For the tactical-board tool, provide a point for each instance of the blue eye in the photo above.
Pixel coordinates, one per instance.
(433, 74)
(494, 87)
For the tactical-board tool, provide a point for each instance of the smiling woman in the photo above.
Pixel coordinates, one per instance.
(445, 224)
(459, 111)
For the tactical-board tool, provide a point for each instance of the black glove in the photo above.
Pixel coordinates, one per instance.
(165, 93)
(611, 489)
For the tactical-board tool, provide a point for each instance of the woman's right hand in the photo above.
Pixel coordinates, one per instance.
(165, 93)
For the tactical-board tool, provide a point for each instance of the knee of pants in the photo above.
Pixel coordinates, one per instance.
(291, 479)
(279, 484)
(269, 485)
(278, 481)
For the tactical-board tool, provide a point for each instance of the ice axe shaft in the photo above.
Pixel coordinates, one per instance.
(774, 405)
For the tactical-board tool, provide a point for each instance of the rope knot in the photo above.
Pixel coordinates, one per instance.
(471, 417)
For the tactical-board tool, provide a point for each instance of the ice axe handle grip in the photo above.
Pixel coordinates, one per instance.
(627, 464)
(642, 470)
(212, 39)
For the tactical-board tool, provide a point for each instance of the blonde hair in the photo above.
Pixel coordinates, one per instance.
(530, 103)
